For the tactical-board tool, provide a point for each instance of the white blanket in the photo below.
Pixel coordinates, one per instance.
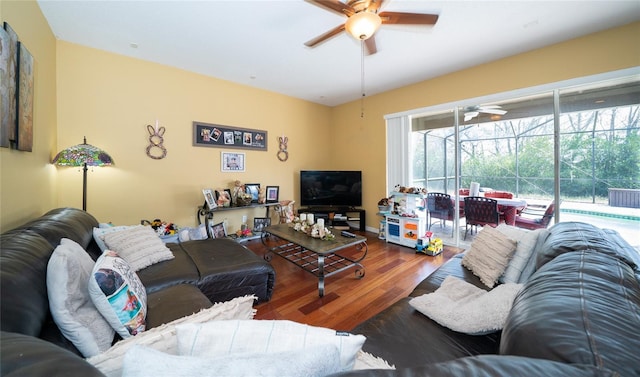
(465, 308)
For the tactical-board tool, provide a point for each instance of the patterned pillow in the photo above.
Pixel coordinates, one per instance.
(68, 273)
(118, 294)
(139, 245)
(489, 255)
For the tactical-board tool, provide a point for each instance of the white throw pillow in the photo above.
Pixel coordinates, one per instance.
(98, 233)
(163, 338)
(68, 274)
(138, 245)
(530, 267)
(316, 361)
(465, 308)
(489, 255)
(269, 336)
(526, 243)
(118, 294)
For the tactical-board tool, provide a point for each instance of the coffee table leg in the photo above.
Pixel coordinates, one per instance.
(320, 275)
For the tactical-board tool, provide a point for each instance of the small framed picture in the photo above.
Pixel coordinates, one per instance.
(259, 223)
(223, 198)
(272, 194)
(232, 162)
(218, 230)
(254, 190)
(210, 200)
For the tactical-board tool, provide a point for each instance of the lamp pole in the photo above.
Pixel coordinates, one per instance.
(84, 186)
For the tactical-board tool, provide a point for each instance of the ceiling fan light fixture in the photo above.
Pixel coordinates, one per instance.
(363, 25)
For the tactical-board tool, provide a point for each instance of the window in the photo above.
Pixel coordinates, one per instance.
(511, 147)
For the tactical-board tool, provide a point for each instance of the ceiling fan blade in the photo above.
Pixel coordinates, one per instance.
(334, 6)
(408, 18)
(370, 45)
(323, 37)
(493, 111)
(374, 5)
(470, 115)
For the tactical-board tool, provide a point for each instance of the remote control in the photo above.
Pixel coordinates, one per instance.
(347, 234)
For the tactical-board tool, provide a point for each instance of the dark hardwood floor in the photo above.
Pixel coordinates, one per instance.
(391, 272)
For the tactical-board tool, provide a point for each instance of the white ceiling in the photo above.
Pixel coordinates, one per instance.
(260, 43)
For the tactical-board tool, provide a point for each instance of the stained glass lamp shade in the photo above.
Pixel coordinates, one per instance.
(83, 155)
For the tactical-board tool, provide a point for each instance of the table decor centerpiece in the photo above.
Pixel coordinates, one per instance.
(316, 230)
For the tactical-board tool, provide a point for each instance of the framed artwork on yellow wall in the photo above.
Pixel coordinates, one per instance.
(232, 162)
(221, 136)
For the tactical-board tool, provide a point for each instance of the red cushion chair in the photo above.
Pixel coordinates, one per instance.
(502, 195)
(499, 194)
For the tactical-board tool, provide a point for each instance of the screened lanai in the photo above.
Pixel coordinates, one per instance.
(586, 136)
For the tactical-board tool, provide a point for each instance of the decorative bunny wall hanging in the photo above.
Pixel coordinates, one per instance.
(283, 155)
(156, 140)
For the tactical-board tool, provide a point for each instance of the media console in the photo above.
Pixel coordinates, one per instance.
(348, 214)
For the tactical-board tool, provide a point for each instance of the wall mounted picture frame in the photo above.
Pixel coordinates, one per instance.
(218, 230)
(220, 136)
(9, 65)
(232, 162)
(259, 223)
(272, 194)
(25, 98)
(209, 198)
(254, 190)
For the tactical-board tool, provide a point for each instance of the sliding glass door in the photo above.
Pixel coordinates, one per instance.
(576, 147)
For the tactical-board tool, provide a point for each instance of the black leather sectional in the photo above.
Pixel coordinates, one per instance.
(202, 272)
(577, 315)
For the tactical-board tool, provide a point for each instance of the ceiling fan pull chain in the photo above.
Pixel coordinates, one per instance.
(362, 78)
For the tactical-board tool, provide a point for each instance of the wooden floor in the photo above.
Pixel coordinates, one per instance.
(391, 272)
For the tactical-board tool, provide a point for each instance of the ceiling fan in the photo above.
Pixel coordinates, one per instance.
(471, 112)
(363, 20)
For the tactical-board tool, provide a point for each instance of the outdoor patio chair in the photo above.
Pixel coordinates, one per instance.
(440, 206)
(532, 219)
(480, 211)
(501, 208)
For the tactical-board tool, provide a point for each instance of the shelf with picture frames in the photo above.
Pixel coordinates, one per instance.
(205, 215)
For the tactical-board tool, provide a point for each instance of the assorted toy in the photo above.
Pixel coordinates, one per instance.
(426, 245)
(162, 228)
(410, 190)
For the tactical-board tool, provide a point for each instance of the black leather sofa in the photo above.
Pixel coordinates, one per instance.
(577, 315)
(202, 272)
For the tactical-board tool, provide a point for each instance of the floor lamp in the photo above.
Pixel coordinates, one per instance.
(83, 155)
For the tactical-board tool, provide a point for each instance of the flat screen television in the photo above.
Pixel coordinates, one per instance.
(330, 188)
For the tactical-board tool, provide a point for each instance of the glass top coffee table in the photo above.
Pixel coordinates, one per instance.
(314, 255)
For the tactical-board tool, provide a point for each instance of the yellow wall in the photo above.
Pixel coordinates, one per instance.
(110, 98)
(27, 180)
(602, 52)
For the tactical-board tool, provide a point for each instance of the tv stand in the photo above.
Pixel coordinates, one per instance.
(352, 214)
